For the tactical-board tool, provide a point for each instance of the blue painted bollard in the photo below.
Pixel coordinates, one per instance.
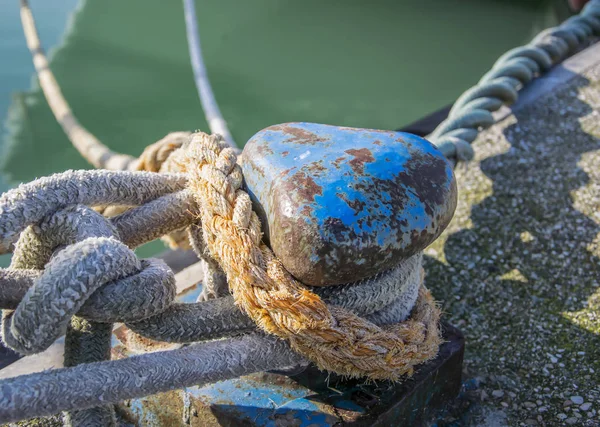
(340, 204)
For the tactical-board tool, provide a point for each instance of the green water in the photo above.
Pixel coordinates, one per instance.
(124, 68)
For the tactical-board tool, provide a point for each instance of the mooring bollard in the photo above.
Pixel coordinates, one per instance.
(353, 207)
(340, 204)
(337, 205)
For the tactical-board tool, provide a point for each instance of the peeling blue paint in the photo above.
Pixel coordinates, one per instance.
(261, 402)
(343, 203)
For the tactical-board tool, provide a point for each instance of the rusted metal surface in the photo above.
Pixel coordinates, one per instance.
(311, 398)
(341, 204)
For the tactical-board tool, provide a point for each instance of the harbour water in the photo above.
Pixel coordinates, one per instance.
(124, 67)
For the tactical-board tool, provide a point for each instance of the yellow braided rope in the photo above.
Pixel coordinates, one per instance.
(155, 155)
(334, 339)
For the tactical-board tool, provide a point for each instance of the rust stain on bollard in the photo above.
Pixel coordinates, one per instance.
(340, 204)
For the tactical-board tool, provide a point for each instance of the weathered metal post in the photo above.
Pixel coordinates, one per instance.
(338, 205)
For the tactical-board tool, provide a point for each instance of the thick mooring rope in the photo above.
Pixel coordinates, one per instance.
(28, 204)
(331, 337)
(52, 207)
(82, 386)
(511, 72)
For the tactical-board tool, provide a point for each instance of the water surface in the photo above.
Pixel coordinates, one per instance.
(124, 68)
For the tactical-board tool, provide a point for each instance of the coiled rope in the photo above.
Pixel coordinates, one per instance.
(333, 338)
(52, 208)
(74, 269)
(49, 212)
(511, 72)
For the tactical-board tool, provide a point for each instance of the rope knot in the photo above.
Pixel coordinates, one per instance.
(98, 278)
(70, 261)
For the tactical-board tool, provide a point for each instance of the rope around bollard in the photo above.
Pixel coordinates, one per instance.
(68, 261)
(334, 339)
(21, 208)
(511, 72)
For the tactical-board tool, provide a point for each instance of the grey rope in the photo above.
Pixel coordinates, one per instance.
(14, 284)
(85, 341)
(384, 299)
(156, 218)
(511, 72)
(38, 242)
(215, 120)
(122, 301)
(200, 321)
(88, 342)
(29, 203)
(64, 286)
(118, 301)
(70, 269)
(74, 275)
(81, 387)
(67, 282)
(214, 284)
(101, 156)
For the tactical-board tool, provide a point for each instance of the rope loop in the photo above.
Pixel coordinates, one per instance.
(68, 259)
(68, 281)
(330, 336)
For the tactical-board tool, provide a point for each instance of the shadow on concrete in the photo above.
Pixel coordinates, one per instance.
(524, 263)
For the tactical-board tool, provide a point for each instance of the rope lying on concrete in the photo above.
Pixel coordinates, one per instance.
(511, 72)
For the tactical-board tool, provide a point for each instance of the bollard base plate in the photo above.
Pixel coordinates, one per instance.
(312, 398)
